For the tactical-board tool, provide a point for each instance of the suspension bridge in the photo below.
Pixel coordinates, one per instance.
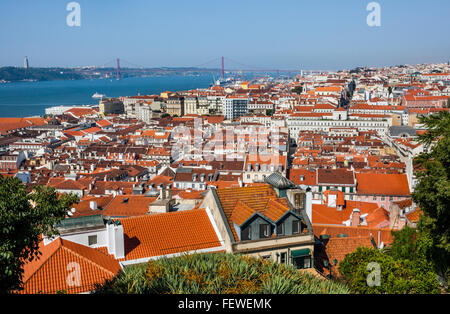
(232, 67)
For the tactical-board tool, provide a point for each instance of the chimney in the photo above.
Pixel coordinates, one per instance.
(394, 216)
(331, 200)
(168, 194)
(308, 204)
(115, 239)
(355, 218)
(93, 205)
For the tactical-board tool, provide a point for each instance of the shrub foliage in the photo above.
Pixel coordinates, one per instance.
(399, 276)
(217, 273)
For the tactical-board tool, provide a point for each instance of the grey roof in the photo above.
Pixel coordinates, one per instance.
(401, 130)
(278, 181)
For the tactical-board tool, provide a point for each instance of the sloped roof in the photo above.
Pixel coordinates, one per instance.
(274, 210)
(168, 233)
(241, 213)
(382, 184)
(337, 248)
(279, 181)
(414, 216)
(128, 205)
(335, 176)
(354, 232)
(255, 197)
(59, 262)
(322, 214)
(309, 177)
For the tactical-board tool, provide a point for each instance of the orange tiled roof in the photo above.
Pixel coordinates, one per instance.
(337, 248)
(83, 207)
(103, 123)
(382, 184)
(322, 214)
(295, 175)
(128, 205)
(414, 216)
(169, 233)
(354, 232)
(241, 213)
(275, 210)
(50, 273)
(255, 197)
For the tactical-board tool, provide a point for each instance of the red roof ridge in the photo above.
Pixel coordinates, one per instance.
(83, 257)
(59, 241)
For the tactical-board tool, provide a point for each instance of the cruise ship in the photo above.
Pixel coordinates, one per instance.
(97, 95)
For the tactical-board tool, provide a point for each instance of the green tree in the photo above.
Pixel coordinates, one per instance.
(392, 276)
(298, 89)
(23, 218)
(432, 193)
(410, 244)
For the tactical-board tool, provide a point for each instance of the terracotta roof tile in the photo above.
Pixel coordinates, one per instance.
(382, 184)
(241, 213)
(52, 271)
(255, 197)
(169, 233)
(128, 205)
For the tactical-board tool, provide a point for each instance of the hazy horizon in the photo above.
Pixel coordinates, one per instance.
(290, 34)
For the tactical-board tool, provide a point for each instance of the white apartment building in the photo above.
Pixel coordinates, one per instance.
(299, 123)
(235, 106)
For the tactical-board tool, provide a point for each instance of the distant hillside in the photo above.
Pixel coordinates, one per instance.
(15, 74)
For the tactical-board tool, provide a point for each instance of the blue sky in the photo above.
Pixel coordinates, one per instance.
(285, 34)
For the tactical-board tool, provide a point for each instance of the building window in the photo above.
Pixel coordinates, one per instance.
(301, 259)
(264, 231)
(295, 226)
(246, 233)
(280, 229)
(92, 239)
(283, 258)
(307, 263)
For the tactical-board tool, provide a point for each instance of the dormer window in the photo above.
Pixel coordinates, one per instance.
(245, 235)
(295, 227)
(264, 231)
(280, 229)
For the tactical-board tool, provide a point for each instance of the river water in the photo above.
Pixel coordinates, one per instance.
(25, 99)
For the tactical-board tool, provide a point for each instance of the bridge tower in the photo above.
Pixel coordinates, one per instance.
(223, 71)
(118, 69)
